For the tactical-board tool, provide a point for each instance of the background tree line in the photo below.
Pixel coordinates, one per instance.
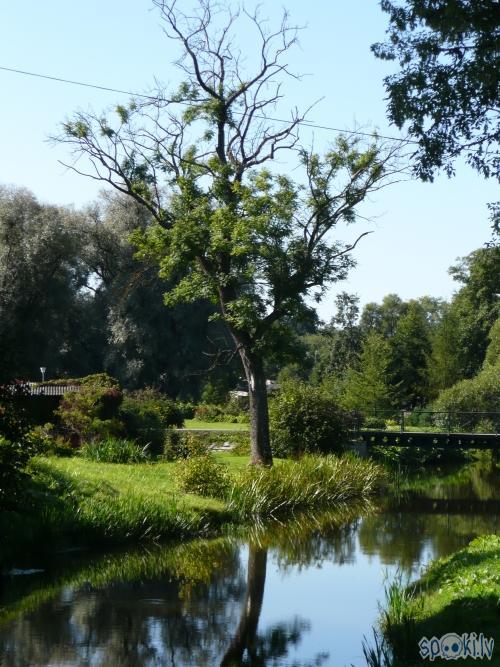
(74, 297)
(407, 354)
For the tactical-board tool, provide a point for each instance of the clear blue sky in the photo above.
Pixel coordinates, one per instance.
(419, 228)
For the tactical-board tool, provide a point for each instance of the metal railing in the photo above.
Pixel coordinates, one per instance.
(428, 421)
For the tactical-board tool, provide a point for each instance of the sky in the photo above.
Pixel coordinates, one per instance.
(419, 229)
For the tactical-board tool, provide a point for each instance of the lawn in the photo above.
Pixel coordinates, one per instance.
(215, 426)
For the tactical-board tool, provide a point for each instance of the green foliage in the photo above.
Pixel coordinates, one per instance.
(187, 409)
(15, 446)
(40, 439)
(312, 482)
(445, 364)
(208, 413)
(493, 350)
(478, 394)
(13, 459)
(93, 410)
(460, 591)
(304, 419)
(368, 389)
(41, 276)
(476, 306)
(146, 414)
(180, 445)
(203, 475)
(114, 450)
(446, 89)
(14, 423)
(410, 349)
(215, 391)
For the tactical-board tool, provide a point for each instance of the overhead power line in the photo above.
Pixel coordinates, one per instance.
(305, 123)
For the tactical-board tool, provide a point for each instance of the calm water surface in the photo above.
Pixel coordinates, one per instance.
(299, 594)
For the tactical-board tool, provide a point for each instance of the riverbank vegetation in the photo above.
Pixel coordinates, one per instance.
(457, 594)
(72, 500)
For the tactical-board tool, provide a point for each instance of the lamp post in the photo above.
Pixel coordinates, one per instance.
(42, 371)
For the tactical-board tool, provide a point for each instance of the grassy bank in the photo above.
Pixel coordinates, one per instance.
(458, 594)
(75, 501)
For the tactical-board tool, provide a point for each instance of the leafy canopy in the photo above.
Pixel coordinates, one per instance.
(447, 86)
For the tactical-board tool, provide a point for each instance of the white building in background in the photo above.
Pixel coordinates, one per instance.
(271, 386)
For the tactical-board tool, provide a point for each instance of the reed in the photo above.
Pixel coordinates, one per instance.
(310, 483)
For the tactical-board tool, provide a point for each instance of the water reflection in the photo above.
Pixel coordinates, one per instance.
(301, 593)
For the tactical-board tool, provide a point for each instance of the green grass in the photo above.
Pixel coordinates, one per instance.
(74, 501)
(214, 426)
(459, 593)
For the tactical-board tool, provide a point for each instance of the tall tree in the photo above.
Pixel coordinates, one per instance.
(383, 318)
(250, 240)
(447, 87)
(476, 305)
(46, 316)
(145, 343)
(411, 348)
(444, 363)
(369, 388)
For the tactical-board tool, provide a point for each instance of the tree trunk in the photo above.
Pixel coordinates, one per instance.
(259, 414)
(246, 631)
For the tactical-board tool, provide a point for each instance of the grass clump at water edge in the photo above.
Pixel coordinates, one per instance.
(311, 482)
(458, 594)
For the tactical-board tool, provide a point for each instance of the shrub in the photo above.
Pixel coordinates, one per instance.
(114, 450)
(13, 459)
(40, 440)
(187, 409)
(377, 423)
(207, 412)
(15, 449)
(14, 422)
(204, 476)
(92, 411)
(146, 414)
(478, 394)
(304, 420)
(180, 445)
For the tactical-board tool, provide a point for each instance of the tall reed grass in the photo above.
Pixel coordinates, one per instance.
(309, 483)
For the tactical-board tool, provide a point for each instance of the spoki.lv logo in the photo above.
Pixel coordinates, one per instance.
(452, 646)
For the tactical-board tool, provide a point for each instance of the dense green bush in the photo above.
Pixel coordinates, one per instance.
(206, 412)
(15, 449)
(92, 412)
(14, 455)
(374, 422)
(478, 394)
(114, 450)
(146, 414)
(304, 420)
(179, 445)
(187, 409)
(204, 476)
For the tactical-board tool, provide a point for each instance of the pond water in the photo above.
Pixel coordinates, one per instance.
(299, 594)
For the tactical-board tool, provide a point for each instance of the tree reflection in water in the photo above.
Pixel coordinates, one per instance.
(201, 603)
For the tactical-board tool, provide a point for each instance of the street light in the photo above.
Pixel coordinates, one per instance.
(42, 371)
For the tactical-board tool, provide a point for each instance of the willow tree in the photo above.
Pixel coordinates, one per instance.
(202, 162)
